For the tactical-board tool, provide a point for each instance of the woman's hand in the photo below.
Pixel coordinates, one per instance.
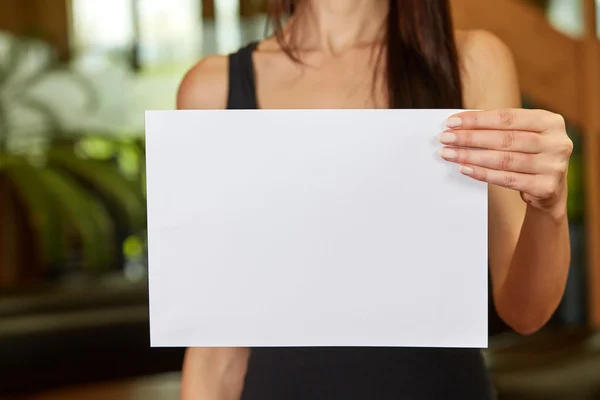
(524, 150)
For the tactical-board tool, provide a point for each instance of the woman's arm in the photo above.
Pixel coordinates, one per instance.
(214, 373)
(529, 245)
(210, 373)
(534, 282)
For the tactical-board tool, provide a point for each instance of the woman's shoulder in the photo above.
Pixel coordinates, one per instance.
(205, 85)
(488, 69)
(480, 49)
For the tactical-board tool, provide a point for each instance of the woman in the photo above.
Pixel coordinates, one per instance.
(401, 54)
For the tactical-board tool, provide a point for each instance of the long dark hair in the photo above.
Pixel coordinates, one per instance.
(421, 59)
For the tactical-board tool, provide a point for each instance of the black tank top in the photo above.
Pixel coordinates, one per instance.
(345, 373)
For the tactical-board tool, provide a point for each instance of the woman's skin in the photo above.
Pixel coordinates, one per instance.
(525, 161)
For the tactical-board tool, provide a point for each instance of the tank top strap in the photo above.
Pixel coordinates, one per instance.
(242, 89)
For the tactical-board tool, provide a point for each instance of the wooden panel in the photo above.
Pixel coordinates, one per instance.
(11, 17)
(249, 8)
(208, 9)
(546, 59)
(73, 344)
(54, 19)
(48, 18)
(160, 387)
(590, 68)
(246, 8)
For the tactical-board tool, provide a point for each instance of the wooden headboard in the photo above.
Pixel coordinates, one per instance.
(559, 73)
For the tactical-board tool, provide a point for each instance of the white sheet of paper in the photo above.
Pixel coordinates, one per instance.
(312, 228)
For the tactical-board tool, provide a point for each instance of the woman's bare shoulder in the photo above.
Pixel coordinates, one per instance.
(205, 85)
(488, 70)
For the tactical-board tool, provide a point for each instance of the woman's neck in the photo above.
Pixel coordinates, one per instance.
(334, 26)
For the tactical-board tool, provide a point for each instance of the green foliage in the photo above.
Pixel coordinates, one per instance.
(575, 202)
(107, 179)
(81, 202)
(575, 178)
(26, 63)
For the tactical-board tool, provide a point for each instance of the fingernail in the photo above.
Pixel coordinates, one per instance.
(447, 137)
(447, 153)
(466, 170)
(454, 122)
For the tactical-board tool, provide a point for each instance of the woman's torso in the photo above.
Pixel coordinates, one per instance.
(366, 374)
(341, 373)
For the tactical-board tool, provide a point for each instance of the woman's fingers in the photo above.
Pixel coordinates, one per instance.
(509, 140)
(537, 121)
(538, 186)
(495, 159)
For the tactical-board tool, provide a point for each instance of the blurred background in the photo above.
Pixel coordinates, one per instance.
(75, 79)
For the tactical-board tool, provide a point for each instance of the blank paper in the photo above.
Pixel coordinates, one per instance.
(312, 228)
